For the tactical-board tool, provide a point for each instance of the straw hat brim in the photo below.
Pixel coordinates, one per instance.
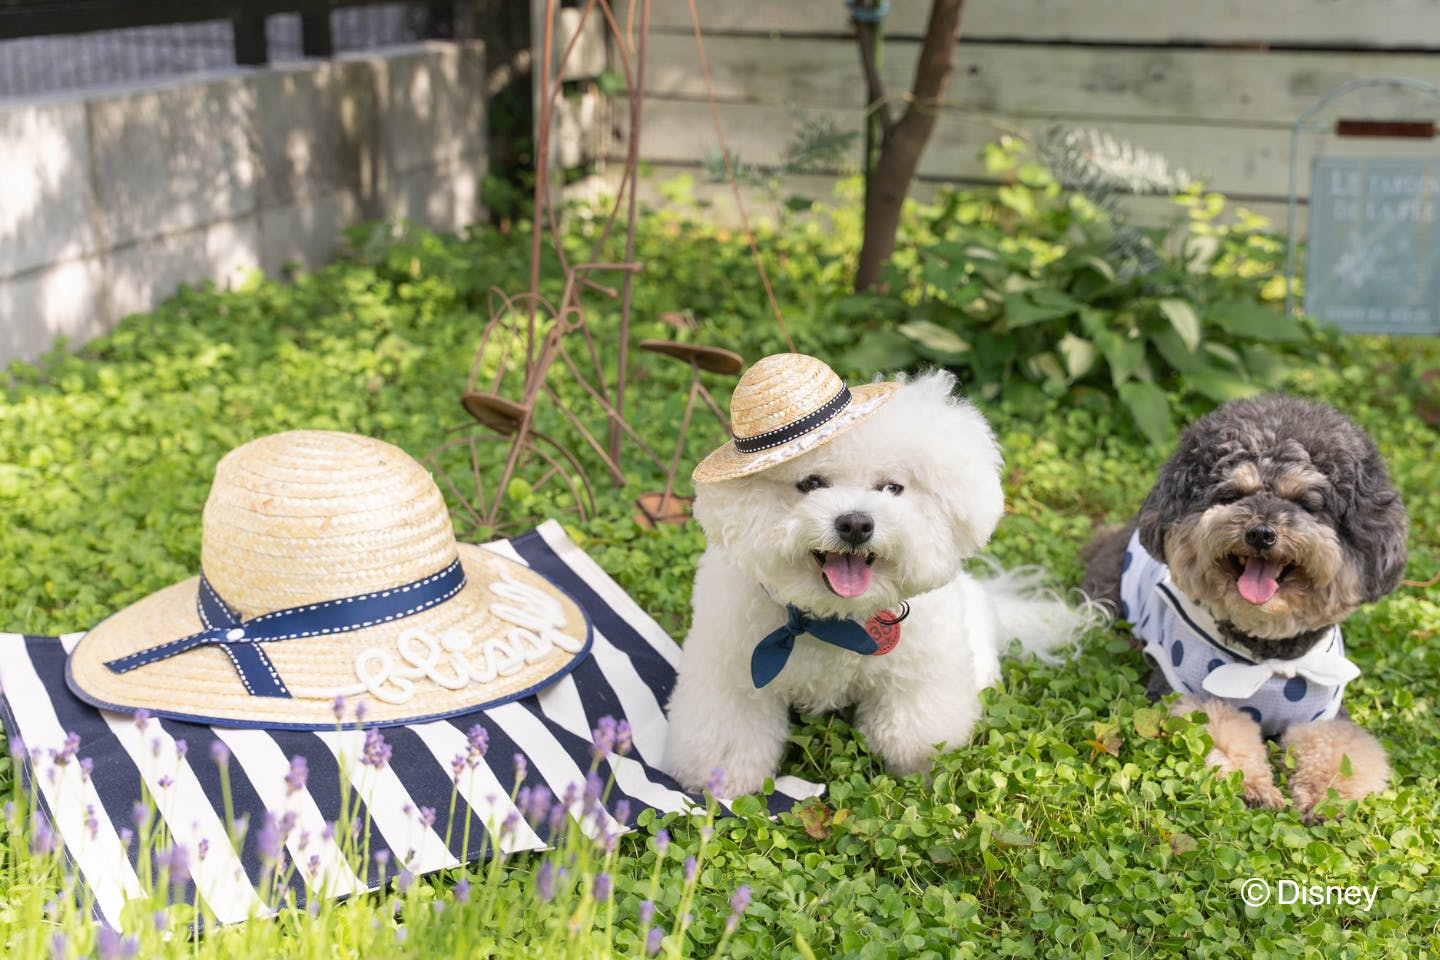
(202, 685)
(728, 463)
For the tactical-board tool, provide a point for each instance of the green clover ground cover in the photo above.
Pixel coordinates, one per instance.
(1079, 821)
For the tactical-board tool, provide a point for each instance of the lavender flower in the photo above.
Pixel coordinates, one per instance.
(165, 782)
(360, 711)
(59, 947)
(438, 906)
(155, 747)
(327, 833)
(92, 823)
(313, 865)
(87, 767)
(299, 773)
(462, 891)
(401, 934)
(478, 741)
(624, 737)
(652, 940)
(716, 784)
(601, 889)
(545, 882)
(109, 945)
(313, 907)
(458, 765)
(202, 848)
(404, 880)
(602, 738)
(521, 767)
(220, 753)
(181, 748)
(382, 859)
(622, 810)
(67, 750)
(647, 912)
(339, 707)
(126, 835)
(376, 752)
(177, 860)
(556, 819)
(42, 838)
(739, 900)
(662, 841)
(690, 867)
(427, 816)
(159, 921)
(142, 719)
(269, 840)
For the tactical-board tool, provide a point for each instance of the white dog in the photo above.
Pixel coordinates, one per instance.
(850, 511)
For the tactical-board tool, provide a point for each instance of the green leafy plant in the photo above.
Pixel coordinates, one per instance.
(1037, 292)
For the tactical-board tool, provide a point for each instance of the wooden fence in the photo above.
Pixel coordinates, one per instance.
(1213, 86)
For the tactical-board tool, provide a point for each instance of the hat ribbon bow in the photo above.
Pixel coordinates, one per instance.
(241, 639)
(771, 653)
(1239, 681)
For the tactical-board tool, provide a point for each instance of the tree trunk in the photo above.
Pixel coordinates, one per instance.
(905, 140)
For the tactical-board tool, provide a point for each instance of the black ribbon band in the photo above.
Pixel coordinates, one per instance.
(797, 428)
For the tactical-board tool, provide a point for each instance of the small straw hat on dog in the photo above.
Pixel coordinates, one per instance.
(329, 569)
(785, 405)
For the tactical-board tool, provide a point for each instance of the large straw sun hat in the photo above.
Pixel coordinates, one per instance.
(785, 405)
(329, 569)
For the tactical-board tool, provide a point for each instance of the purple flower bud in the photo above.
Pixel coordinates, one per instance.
(179, 864)
(87, 767)
(458, 766)
(602, 738)
(622, 810)
(59, 947)
(339, 707)
(42, 838)
(165, 782)
(313, 865)
(202, 848)
(142, 719)
(376, 752)
(647, 912)
(313, 907)
(299, 773)
(140, 816)
(556, 820)
(67, 750)
(462, 891)
(545, 882)
(478, 740)
(328, 832)
(401, 934)
(360, 711)
(155, 747)
(662, 841)
(220, 753)
(268, 841)
(716, 784)
(158, 921)
(652, 940)
(690, 867)
(92, 822)
(126, 835)
(382, 858)
(521, 767)
(109, 945)
(181, 748)
(601, 889)
(427, 816)
(438, 906)
(404, 880)
(740, 899)
(624, 737)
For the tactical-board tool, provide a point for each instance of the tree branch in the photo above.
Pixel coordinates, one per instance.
(874, 86)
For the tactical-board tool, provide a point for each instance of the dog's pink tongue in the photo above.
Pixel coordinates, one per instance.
(1257, 581)
(847, 573)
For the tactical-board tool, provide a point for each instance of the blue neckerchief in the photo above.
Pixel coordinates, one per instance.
(242, 639)
(771, 653)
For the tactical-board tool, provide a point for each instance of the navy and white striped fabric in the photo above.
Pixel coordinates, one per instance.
(627, 676)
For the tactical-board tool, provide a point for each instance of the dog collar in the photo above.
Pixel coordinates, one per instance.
(875, 637)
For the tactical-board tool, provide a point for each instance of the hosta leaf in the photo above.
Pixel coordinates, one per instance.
(1079, 355)
(1184, 319)
(1150, 410)
(1219, 385)
(1255, 322)
(940, 340)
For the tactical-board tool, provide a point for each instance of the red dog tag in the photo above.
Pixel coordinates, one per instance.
(884, 629)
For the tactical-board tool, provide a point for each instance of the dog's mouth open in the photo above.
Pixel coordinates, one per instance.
(846, 574)
(1258, 578)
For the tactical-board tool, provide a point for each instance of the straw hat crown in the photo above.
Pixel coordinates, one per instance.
(330, 569)
(785, 405)
(310, 515)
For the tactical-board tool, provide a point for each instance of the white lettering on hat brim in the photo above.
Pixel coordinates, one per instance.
(455, 661)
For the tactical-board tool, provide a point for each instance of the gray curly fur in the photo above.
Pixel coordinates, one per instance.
(1360, 502)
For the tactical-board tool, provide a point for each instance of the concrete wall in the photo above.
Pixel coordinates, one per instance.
(109, 202)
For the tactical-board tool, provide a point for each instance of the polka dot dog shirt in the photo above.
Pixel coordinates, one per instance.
(1183, 641)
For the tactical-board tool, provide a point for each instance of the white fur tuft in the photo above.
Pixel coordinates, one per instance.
(1030, 611)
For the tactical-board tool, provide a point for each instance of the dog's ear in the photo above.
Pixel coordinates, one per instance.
(1371, 521)
(954, 454)
(1181, 487)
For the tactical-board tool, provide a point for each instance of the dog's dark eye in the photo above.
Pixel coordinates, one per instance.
(812, 482)
(891, 487)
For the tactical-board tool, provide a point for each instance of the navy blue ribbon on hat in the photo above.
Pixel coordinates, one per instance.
(795, 428)
(241, 639)
(772, 652)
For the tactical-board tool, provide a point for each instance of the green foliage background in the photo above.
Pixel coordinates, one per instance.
(1078, 822)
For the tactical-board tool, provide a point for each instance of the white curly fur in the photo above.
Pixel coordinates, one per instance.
(761, 531)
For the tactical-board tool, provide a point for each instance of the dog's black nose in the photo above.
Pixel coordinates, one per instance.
(1261, 536)
(854, 527)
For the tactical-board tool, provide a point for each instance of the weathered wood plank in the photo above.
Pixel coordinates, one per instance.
(1345, 24)
(1251, 162)
(1230, 86)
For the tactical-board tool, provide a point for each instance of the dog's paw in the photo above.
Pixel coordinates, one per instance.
(1262, 793)
(1333, 754)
